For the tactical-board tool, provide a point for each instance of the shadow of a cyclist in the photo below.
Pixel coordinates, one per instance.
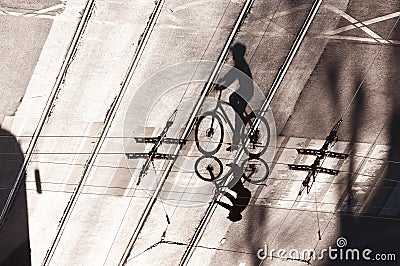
(240, 98)
(239, 201)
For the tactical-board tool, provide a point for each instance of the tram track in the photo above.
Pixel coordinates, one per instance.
(88, 11)
(105, 129)
(187, 129)
(99, 143)
(264, 108)
(69, 57)
(86, 15)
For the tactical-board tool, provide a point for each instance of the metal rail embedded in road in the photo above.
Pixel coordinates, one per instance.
(49, 104)
(107, 124)
(187, 129)
(275, 86)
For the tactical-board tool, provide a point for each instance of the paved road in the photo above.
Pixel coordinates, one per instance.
(25, 26)
(110, 186)
(24, 29)
(369, 218)
(348, 43)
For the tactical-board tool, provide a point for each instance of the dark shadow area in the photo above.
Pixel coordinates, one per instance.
(239, 202)
(38, 182)
(357, 116)
(377, 227)
(239, 199)
(296, 3)
(240, 98)
(255, 233)
(333, 76)
(390, 185)
(249, 231)
(14, 234)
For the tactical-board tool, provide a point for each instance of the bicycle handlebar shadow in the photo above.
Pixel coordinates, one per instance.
(243, 195)
(14, 235)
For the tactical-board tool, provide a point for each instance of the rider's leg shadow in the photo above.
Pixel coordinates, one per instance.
(239, 203)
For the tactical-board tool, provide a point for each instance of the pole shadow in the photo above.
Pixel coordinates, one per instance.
(377, 226)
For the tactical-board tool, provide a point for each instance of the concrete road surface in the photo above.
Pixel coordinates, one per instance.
(345, 68)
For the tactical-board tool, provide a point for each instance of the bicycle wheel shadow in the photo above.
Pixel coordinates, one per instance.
(14, 234)
(240, 197)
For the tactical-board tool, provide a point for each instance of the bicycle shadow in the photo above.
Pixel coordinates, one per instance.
(241, 97)
(14, 234)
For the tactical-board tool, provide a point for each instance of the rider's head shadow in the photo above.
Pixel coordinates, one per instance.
(14, 233)
(244, 76)
(241, 72)
(238, 195)
(238, 52)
